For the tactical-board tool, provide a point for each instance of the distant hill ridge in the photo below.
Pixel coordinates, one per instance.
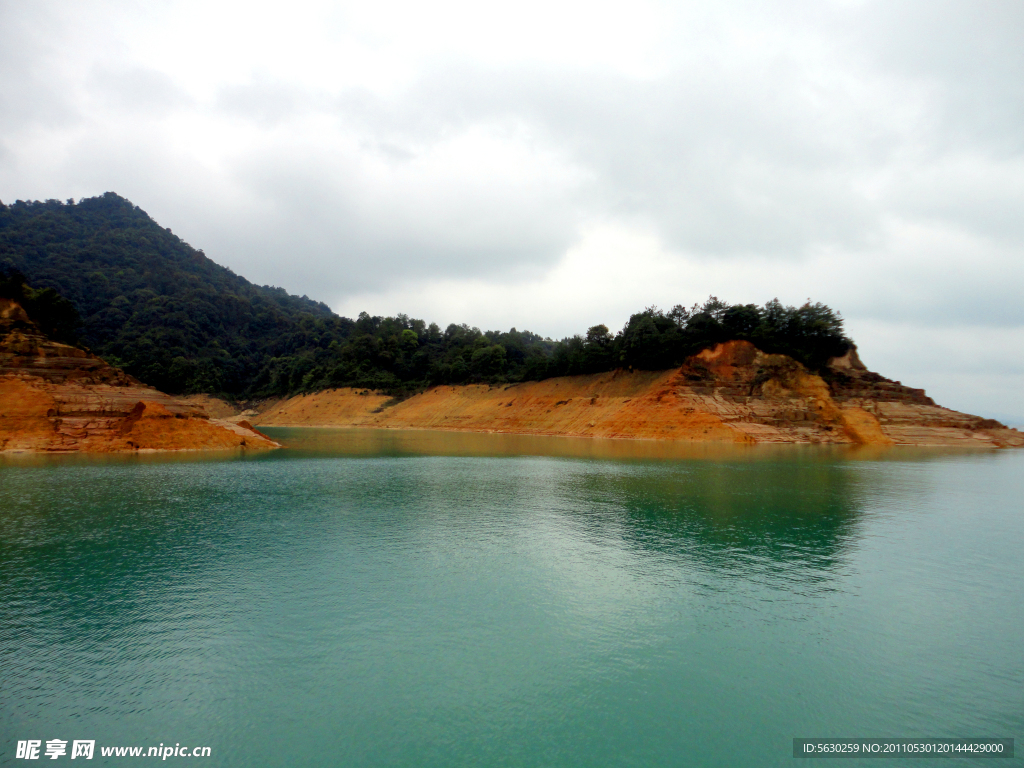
(168, 315)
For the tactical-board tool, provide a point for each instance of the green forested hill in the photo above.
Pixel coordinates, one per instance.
(170, 316)
(149, 301)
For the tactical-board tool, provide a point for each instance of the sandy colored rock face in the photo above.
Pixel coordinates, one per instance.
(214, 407)
(24, 420)
(344, 406)
(731, 393)
(57, 398)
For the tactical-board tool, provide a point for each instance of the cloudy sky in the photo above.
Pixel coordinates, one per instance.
(552, 165)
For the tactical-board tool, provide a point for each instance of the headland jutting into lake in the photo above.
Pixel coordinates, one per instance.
(181, 339)
(731, 393)
(57, 398)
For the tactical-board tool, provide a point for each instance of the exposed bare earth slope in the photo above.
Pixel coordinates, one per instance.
(732, 393)
(58, 398)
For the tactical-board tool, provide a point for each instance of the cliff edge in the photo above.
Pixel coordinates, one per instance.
(57, 398)
(732, 392)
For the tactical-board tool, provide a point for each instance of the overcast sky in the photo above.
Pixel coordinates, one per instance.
(553, 165)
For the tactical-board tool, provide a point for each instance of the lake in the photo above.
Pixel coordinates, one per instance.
(379, 598)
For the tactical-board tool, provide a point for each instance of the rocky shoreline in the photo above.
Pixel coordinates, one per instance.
(56, 398)
(731, 393)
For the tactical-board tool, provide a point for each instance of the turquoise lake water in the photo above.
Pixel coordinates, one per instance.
(422, 599)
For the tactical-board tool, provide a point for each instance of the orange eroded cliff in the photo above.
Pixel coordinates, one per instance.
(58, 398)
(731, 393)
(614, 404)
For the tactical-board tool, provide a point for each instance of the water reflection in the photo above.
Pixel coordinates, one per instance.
(411, 442)
(449, 599)
(131, 524)
(793, 521)
(323, 442)
(94, 542)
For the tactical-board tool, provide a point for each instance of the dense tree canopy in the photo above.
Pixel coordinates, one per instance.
(55, 315)
(173, 318)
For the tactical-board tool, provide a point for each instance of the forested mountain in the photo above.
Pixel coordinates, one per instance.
(167, 314)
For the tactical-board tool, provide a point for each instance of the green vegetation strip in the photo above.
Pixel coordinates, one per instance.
(105, 274)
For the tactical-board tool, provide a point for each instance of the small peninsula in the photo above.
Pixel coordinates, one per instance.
(732, 393)
(117, 335)
(57, 398)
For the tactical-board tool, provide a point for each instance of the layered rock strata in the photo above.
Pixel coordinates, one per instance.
(57, 398)
(732, 393)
